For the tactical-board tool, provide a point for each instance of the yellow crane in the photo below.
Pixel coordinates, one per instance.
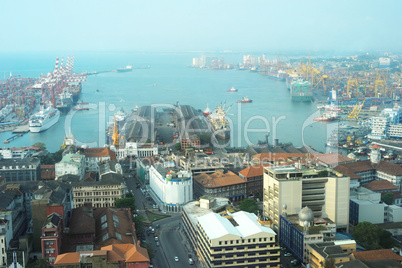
(116, 136)
(356, 110)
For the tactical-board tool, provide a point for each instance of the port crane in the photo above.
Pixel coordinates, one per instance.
(356, 110)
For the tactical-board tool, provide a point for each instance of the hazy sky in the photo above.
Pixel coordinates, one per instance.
(203, 25)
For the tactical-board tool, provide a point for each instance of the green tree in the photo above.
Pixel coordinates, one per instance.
(323, 173)
(139, 224)
(150, 250)
(205, 139)
(40, 145)
(388, 198)
(386, 240)
(128, 202)
(367, 235)
(249, 205)
(177, 146)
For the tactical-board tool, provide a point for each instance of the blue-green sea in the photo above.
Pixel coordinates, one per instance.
(169, 80)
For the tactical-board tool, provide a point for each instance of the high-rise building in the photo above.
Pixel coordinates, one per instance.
(287, 190)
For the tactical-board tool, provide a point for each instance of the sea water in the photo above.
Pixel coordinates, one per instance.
(169, 81)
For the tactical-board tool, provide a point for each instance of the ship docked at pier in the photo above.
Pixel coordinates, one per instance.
(44, 119)
(300, 91)
(219, 122)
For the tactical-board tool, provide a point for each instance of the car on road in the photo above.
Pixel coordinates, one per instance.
(176, 258)
(190, 261)
(287, 254)
(164, 212)
(157, 243)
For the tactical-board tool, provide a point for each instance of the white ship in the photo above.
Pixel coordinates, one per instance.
(44, 119)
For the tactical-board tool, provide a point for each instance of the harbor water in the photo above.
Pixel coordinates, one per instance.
(169, 81)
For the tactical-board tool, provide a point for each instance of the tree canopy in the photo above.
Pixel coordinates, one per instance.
(128, 202)
(40, 145)
(388, 198)
(371, 237)
(249, 205)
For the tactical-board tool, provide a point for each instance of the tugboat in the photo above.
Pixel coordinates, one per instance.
(244, 100)
(231, 90)
(327, 116)
(207, 111)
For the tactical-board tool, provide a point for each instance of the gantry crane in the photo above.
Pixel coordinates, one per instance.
(356, 110)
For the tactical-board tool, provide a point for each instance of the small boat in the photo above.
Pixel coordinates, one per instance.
(244, 100)
(231, 90)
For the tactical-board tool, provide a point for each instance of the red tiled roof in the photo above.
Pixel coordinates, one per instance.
(375, 146)
(253, 171)
(375, 255)
(47, 172)
(390, 168)
(381, 185)
(98, 152)
(68, 258)
(218, 179)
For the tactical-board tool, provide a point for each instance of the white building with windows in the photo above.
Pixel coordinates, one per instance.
(6, 234)
(73, 164)
(172, 187)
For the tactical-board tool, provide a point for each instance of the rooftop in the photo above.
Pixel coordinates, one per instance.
(381, 185)
(246, 225)
(379, 254)
(218, 179)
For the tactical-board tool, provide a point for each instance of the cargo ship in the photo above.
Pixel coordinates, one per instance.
(207, 111)
(44, 119)
(128, 68)
(327, 116)
(244, 100)
(220, 123)
(233, 89)
(301, 91)
(276, 74)
(64, 101)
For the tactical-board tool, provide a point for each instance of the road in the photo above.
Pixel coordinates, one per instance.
(172, 241)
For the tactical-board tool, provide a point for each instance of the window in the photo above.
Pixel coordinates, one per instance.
(118, 236)
(106, 236)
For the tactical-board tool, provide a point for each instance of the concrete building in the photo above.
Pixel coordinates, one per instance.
(366, 205)
(143, 165)
(142, 150)
(73, 164)
(93, 156)
(26, 169)
(220, 184)
(109, 167)
(197, 163)
(171, 186)
(52, 232)
(379, 127)
(119, 255)
(338, 251)
(224, 239)
(101, 193)
(296, 231)
(287, 190)
(6, 234)
(253, 175)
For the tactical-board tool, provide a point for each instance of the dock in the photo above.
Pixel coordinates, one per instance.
(13, 137)
(21, 129)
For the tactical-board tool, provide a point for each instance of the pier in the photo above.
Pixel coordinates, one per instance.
(13, 137)
(21, 129)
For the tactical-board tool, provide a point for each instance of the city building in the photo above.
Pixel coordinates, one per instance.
(172, 187)
(142, 150)
(143, 165)
(109, 167)
(102, 193)
(118, 255)
(52, 232)
(47, 172)
(220, 184)
(253, 175)
(26, 169)
(93, 156)
(366, 205)
(288, 190)
(379, 127)
(365, 171)
(387, 124)
(72, 164)
(197, 163)
(6, 235)
(298, 230)
(377, 255)
(228, 239)
(337, 251)
(94, 228)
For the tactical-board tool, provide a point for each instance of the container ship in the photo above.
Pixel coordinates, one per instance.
(301, 91)
(64, 101)
(276, 74)
(44, 119)
(219, 122)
